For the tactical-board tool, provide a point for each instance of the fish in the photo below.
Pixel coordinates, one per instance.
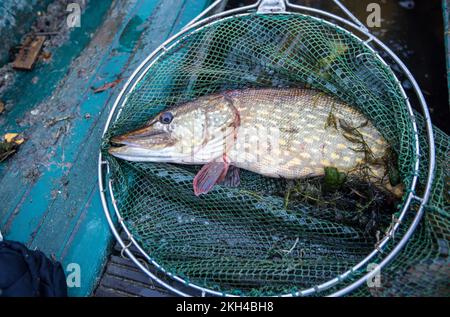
(288, 133)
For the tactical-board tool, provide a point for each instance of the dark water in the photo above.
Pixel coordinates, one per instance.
(414, 30)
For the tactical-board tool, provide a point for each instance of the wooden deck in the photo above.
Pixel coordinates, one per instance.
(122, 278)
(49, 195)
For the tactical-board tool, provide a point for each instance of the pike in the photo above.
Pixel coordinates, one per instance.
(280, 133)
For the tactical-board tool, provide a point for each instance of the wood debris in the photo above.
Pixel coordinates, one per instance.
(107, 86)
(14, 138)
(46, 56)
(54, 121)
(9, 145)
(29, 52)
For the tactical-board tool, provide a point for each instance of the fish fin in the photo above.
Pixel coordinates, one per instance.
(232, 178)
(209, 175)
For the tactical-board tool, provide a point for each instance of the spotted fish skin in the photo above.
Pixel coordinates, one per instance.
(308, 142)
(288, 133)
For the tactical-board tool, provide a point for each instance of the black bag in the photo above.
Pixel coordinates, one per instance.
(27, 273)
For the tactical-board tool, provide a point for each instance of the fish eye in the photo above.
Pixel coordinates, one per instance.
(166, 117)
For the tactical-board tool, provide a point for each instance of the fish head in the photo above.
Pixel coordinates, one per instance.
(192, 133)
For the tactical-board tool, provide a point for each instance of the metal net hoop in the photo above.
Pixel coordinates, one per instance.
(128, 112)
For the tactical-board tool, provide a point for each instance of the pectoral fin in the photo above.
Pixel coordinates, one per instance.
(209, 175)
(232, 178)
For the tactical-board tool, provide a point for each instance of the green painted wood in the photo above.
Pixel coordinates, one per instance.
(16, 17)
(27, 94)
(49, 197)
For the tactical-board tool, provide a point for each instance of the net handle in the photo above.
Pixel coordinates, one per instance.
(219, 5)
(272, 6)
(349, 14)
(279, 6)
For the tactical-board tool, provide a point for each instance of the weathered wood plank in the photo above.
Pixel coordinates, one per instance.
(130, 274)
(85, 162)
(130, 287)
(40, 156)
(59, 210)
(108, 292)
(28, 54)
(123, 262)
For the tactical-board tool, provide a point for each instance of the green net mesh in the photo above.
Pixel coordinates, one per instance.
(245, 241)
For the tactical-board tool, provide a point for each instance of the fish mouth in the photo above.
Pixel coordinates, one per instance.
(139, 142)
(136, 138)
